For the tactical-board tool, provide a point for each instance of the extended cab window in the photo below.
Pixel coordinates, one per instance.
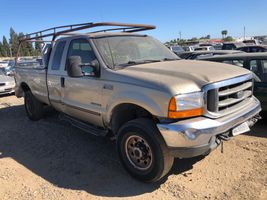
(82, 48)
(58, 55)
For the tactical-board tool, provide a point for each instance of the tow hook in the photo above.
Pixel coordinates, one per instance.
(221, 138)
(253, 120)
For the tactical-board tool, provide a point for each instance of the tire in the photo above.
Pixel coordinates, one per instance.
(33, 107)
(142, 150)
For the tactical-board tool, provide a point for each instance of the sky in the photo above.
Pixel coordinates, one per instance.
(193, 18)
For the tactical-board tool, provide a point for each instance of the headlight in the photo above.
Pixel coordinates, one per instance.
(186, 105)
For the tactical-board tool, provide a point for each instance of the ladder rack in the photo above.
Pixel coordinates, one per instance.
(61, 30)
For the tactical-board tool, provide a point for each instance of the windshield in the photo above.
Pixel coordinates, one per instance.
(176, 48)
(130, 50)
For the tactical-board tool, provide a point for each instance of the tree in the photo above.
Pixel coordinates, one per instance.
(5, 47)
(13, 41)
(228, 39)
(224, 33)
(1, 50)
(38, 47)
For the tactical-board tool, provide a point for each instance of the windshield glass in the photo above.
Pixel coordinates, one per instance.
(176, 48)
(130, 50)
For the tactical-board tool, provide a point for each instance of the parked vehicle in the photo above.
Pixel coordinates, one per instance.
(7, 84)
(232, 45)
(253, 48)
(255, 62)
(188, 48)
(3, 64)
(131, 86)
(251, 42)
(204, 48)
(176, 49)
(199, 54)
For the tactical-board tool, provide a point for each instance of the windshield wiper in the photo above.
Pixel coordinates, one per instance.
(137, 62)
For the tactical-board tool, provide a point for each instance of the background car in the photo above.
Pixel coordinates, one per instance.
(255, 62)
(198, 54)
(176, 49)
(3, 64)
(232, 45)
(204, 48)
(253, 48)
(7, 84)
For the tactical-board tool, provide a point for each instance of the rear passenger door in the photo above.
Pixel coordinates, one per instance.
(55, 68)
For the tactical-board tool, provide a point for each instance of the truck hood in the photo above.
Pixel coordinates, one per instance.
(181, 76)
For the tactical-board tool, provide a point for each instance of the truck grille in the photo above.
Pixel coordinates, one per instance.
(2, 84)
(227, 98)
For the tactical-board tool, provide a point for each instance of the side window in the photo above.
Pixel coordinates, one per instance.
(228, 62)
(82, 48)
(58, 55)
(264, 70)
(238, 63)
(253, 66)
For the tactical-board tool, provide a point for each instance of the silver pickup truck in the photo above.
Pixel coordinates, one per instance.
(132, 87)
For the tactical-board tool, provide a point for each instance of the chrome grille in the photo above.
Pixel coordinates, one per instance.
(228, 96)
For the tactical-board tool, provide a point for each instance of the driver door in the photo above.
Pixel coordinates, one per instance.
(82, 95)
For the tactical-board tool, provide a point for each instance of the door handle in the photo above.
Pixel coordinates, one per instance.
(62, 82)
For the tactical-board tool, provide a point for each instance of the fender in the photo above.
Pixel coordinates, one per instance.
(139, 99)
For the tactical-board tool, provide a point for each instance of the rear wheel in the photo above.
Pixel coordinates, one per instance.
(143, 151)
(33, 107)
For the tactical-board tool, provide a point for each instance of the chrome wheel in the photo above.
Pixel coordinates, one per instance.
(138, 152)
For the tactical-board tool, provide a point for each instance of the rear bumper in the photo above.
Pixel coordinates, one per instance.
(196, 136)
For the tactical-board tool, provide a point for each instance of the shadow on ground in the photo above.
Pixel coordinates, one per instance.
(70, 158)
(259, 130)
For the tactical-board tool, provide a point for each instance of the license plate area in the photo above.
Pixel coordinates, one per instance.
(242, 128)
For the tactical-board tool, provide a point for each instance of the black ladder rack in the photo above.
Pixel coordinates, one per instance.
(61, 30)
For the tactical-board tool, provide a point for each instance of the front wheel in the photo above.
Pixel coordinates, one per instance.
(143, 151)
(33, 107)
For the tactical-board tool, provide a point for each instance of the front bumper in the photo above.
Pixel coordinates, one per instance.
(7, 89)
(196, 136)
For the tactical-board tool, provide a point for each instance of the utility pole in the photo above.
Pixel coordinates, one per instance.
(180, 35)
(244, 32)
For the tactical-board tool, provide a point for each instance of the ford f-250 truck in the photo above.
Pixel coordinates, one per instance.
(129, 85)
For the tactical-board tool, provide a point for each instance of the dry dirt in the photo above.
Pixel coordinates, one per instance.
(50, 159)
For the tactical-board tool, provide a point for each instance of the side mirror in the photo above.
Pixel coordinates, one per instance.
(74, 66)
(91, 68)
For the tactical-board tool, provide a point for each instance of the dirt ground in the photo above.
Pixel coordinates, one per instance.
(50, 159)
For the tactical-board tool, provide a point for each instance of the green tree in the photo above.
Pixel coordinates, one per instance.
(13, 42)
(224, 33)
(1, 50)
(6, 47)
(228, 39)
(38, 47)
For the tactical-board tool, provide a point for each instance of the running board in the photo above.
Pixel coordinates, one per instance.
(83, 126)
